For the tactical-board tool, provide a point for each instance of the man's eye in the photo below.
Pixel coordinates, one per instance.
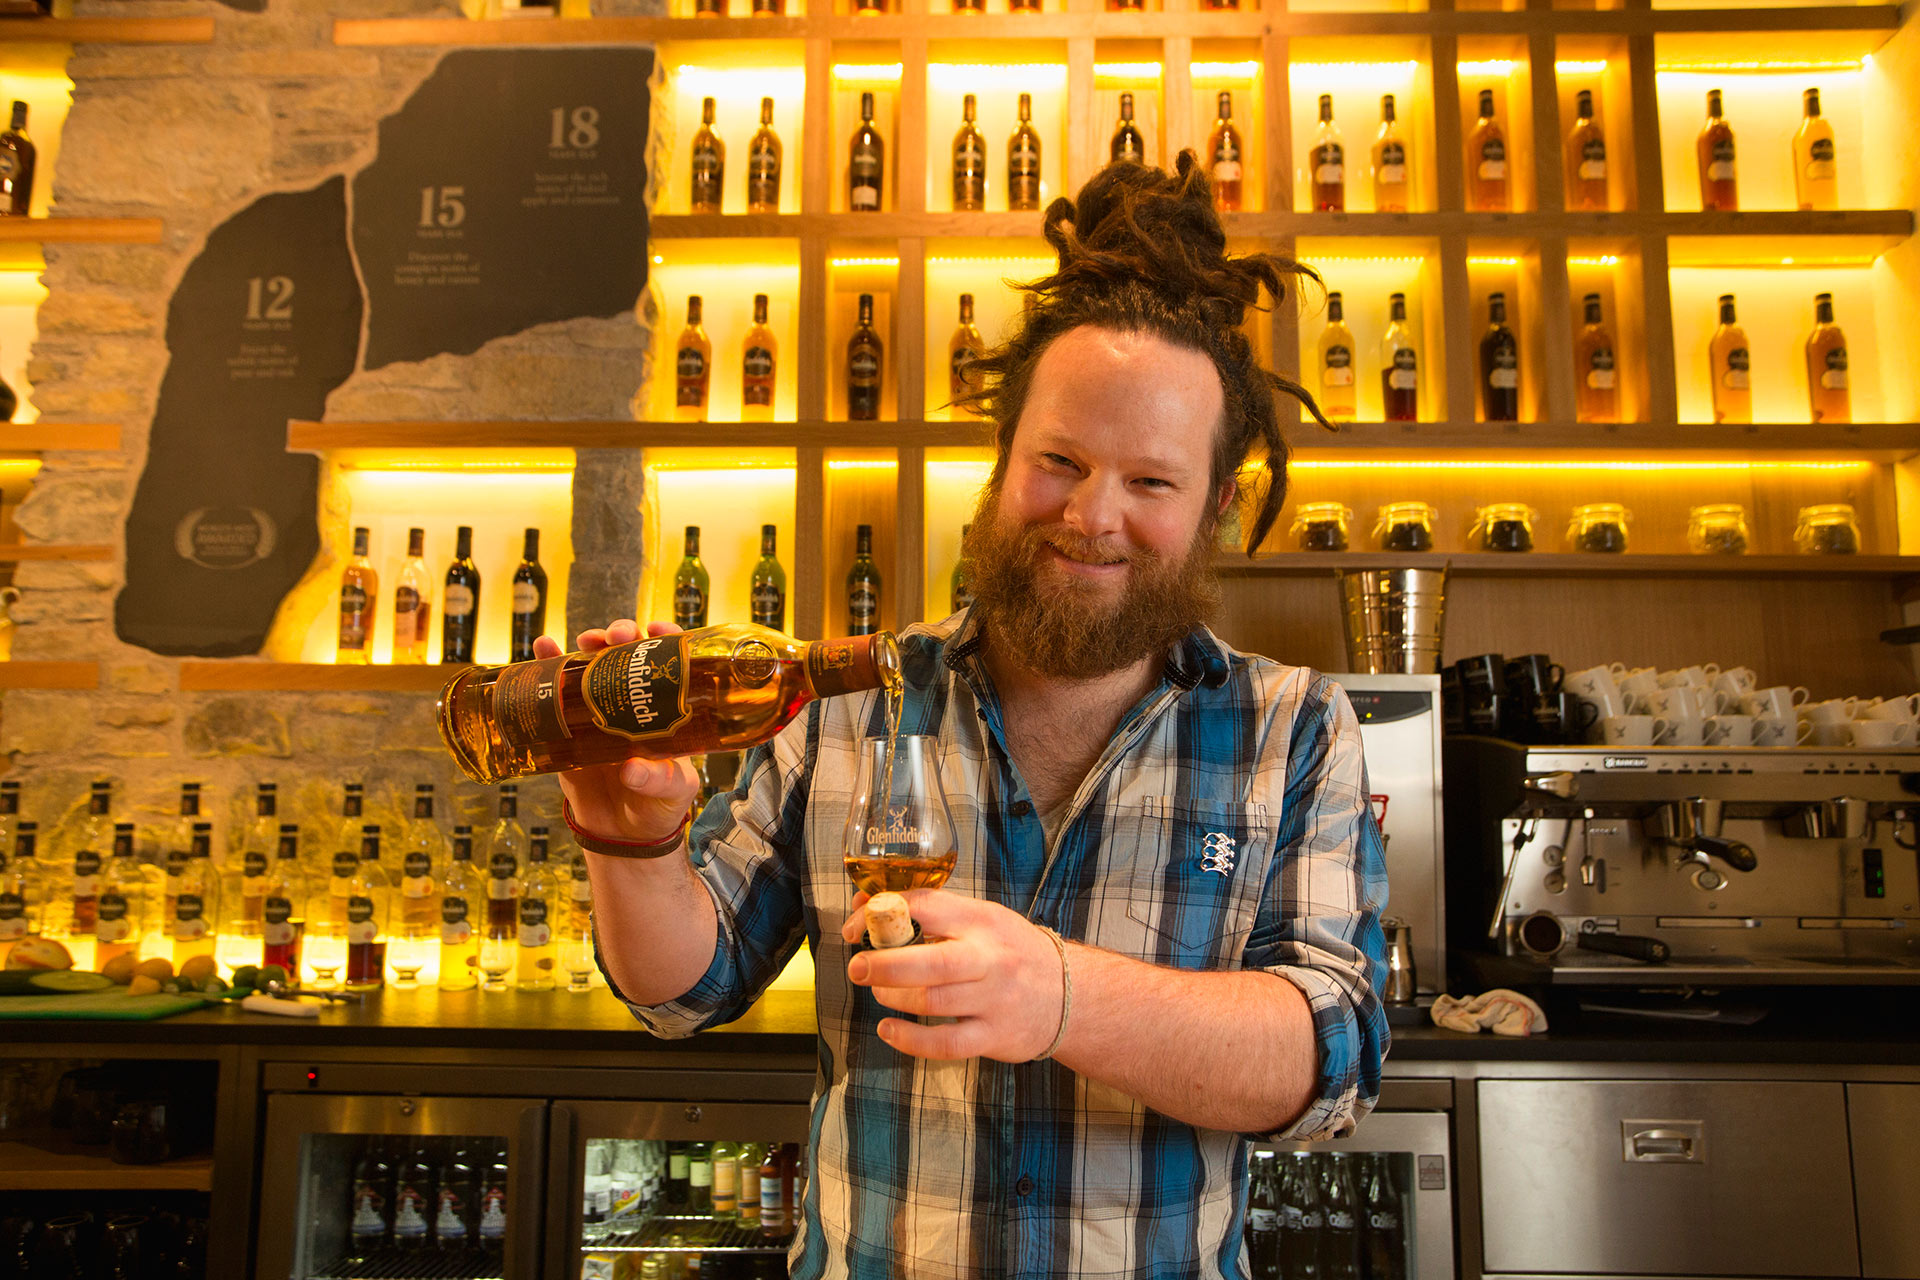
(1155, 482)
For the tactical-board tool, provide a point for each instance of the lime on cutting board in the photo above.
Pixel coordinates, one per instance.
(50, 982)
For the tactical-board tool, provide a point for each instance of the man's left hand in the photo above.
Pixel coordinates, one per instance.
(991, 970)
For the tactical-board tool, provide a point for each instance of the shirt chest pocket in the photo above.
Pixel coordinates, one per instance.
(1194, 872)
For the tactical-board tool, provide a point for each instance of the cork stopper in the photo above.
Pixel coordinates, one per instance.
(888, 923)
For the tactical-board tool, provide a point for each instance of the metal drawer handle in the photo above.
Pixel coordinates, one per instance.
(1682, 1142)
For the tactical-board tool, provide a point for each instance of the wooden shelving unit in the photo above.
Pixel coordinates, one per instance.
(17, 552)
(60, 437)
(108, 30)
(49, 675)
(81, 230)
(47, 1160)
(310, 677)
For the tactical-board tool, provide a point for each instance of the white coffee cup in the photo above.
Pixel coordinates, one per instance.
(1595, 687)
(1773, 731)
(1900, 710)
(1631, 731)
(1776, 703)
(1730, 730)
(1737, 683)
(1700, 677)
(1832, 711)
(1828, 733)
(1881, 733)
(1682, 733)
(1684, 703)
(1637, 688)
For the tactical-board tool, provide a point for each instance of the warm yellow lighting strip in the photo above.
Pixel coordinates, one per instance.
(1126, 70)
(1020, 75)
(867, 73)
(1774, 264)
(866, 262)
(1314, 76)
(467, 467)
(1455, 464)
(1224, 70)
(707, 469)
(1343, 262)
(1025, 264)
(1495, 67)
(859, 464)
(1761, 68)
(760, 80)
(1493, 262)
(1579, 68)
(1608, 261)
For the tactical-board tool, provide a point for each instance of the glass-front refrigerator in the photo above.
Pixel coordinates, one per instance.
(674, 1190)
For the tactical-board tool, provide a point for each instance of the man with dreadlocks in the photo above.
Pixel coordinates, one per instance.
(1162, 936)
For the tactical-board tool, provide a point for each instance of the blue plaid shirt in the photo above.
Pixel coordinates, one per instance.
(979, 1168)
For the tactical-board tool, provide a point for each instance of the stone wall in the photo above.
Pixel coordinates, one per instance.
(191, 135)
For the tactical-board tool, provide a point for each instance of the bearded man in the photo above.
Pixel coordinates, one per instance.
(1162, 936)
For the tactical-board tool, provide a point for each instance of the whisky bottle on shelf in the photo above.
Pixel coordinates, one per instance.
(460, 604)
(1714, 150)
(1023, 6)
(178, 848)
(1399, 365)
(690, 585)
(538, 899)
(1336, 364)
(1327, 163)
(769, 8)
(422, 858)
(866, 357)
(1224, 158)
(359, 592)
(764, 155)
(692, 367)
(119, 920)
(709, 8)
(283, 911)
(1827, 391)
(869, 6)
(89, 855)
(863, 586)
(1128, 146)
(26, 885)
(196, 900)
(17, 158)
(1126, 6)
(969, 6)
(960, 585)
(1586, 160)
(1729, 368)
(867, 166)
(1487, 182)
(724, 688)
(1597, 394)
(709, 163)
(529, 621)
(963, 348)
(969, 161)
(413, 602)
(758, 353)
(9, 812)
(353, 808)
(1499, 365)
(369, 906)
(767, 593)
(463, 894)
(1816, 184)
(1391, 184)
(1023, 161)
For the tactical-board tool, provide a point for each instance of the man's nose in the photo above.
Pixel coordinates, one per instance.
(1094, 507)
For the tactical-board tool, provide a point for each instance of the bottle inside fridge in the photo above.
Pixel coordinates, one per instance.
(663, 1209)
(406, 1205)
(1335, 1215)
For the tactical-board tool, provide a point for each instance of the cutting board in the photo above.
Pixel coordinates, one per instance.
(111, 1006)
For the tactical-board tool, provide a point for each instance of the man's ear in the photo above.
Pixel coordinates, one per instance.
(1229, 490)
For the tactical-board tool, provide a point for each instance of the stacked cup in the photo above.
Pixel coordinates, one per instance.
(1879, 723)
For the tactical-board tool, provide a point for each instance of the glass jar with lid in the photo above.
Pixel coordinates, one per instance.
(1503, 526)
(1599, 527)
(1718, 529)
(1322, 526)
(1405, 526)
(1827, 529)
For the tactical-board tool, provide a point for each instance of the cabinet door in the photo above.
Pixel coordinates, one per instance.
(1699, 1177)
(1885, 1119)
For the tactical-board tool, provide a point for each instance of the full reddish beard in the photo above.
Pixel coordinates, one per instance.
(1066, 628)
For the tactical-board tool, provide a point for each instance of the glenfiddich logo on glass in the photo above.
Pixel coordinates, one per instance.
(897, 830)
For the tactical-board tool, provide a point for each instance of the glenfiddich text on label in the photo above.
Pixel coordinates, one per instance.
(638, 690)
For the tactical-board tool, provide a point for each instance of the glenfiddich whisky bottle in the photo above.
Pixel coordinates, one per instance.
(538, 899)
(1597, 394)
(1586, 158)
(767, 593)
(863, 586)
(1730, 369)
(1224, 158)
(460, 607)
(369, 914)
(1827, 388)
(1023, 161)
(757, 356)
(1714, 150)
(1399, 365)
(963, 349)
(722, 688)
(1816, 183)
(17, 156)
(1337, 399)
(709, 163)
(1128, 145)
(692, 367)
(866, 166)
(1487, 162)
(690, 586)
(969, 161)
(1328, 163)
(359, 591)
(865, 361)
(529, 600)
(1390, 175)
(1499, 365)
(763, 162)
(413, 602)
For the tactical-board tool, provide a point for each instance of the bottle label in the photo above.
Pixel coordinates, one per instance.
(353, 617)
(450, 1222)
(700, 1173)
(689, 603)
(13, 916)
(86, 873)
(410, 1213)
(1339, 1220)
(1330, 167)
(1505, 374)
(1720, 167)
(454, 927)
(276, 921)
(582, 888)
(110, 923)
(1593, 160)
(769, 604)
(528, 703)
(1834, 376)
(344, 864)
(959, 380)
(1292, 1219)
(459, 602)
(1339, 367)
(1262, 1220)
(1392, 169)
(409, 618)
(863, 605)
(1405, 375)
(763, 175)
(1312, 1220)
(864, 196)
(1736, 375)
(1383, 1220)
(690, 372)
(416, 877)
(726, 1186)
(756, 371)
(360, 923)
(368, 1220)
(1820, 159)
(534, 929)
(1225, 170)
(189, 917)
(493, 1212)
(1493, 160)
(502, 867)
(1128, 151)
(770, 1216)
(638, 690)
(526, 598)
(863, 366)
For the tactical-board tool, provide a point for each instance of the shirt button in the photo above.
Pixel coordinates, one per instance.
(1024, 1186)
(1021, 808)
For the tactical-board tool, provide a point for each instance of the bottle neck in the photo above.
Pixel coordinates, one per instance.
(1497, 311)
(1593, 313)
(693, 544)
(1126, 108)
(768, 540)
(1726, 313)
(759, 308)
(532, 548)
(463, 545)
(416, 543)
(836, 667)
(1813, 104)
(1713, 105)
(1336, 309)
(1397, 311)
(1386, 110)
(1823, 312)
(693, 312)
(1486, 106)
(1326, 110)
(766, 112)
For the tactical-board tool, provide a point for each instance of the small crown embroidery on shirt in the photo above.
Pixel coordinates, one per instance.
(1219, 853)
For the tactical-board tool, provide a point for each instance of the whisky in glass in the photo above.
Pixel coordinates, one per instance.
(899, 832)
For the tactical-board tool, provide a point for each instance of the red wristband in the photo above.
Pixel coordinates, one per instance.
(625, 848)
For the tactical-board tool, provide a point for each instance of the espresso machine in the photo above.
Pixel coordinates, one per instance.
(1683, 867)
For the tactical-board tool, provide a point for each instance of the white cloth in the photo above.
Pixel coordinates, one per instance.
(1503, 1012)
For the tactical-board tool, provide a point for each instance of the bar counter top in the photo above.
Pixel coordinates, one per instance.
(1867, 1026)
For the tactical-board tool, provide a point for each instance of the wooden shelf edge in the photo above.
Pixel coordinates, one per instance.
(81, 230)
(318, 437)
(48, 1160)
(60, 437)
(14, 553)
(109, 30)
(1537, 564)
(49, 675)
(310, 677)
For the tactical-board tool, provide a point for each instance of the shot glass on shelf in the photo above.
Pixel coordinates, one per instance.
(576, 960)
(1827, 529)
(411, 950)
(323, 954)
(1718, 529)
(497, 957)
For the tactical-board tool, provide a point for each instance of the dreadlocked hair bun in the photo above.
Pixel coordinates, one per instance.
(1142, 250)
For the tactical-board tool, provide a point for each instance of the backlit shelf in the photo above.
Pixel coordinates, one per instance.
(324, 437)
(310, 677)
(16, 552)
(109, 30)
(48, 1160)
(1534, 564)
(60, 437)
(81, 230)
(49, 675)
(1889, 442)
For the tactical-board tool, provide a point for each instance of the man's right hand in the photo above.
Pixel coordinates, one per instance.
(636, 799)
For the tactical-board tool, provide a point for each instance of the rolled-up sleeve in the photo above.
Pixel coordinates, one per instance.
(748, 848)
(1318, 925)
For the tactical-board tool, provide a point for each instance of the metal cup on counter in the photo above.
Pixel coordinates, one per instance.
(1402, 981)
(1394, 619)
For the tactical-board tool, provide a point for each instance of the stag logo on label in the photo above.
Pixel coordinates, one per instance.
(225, 537)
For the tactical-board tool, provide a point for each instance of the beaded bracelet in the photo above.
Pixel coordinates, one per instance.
(1066, 994)
(624, 848)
